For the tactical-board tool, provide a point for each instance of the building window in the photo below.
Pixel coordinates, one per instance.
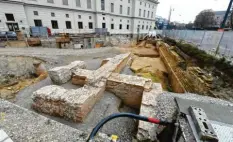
(52, 14)
(138, 26)
(145, 4)
(103, 18)
(143, 27)
(54, 24)
(121, 9)
(120, 26)
(10, 17)
(35, 13)
(90, 24)
(127, 27)
(144, 14)
(67, 16)
(120, 20)
(90, 17)
(128, 21)
(112, 19)
(78, 3)
(112, 7)
(68, 25)
(151, 14)
(128, 1)
(50, 1)
(79, 16)
(88, 4)
(140, 11)
(128, 12)
(148, 14)
(147, 27)
(103, 25)
(102, 4)
(80, 25)
(149, 5)
(112, 26)
(65, 2)
(38, 23)
(140, 3)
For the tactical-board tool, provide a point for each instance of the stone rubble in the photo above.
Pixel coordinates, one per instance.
(61, 75)
(128, 88)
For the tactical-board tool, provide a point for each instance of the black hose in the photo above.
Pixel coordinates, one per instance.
(130, 115)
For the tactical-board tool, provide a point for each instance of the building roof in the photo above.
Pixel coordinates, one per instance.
(219, 12)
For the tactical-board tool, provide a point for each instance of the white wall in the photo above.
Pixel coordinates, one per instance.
(17, 10)
(60, 16)
(44, 9)
(59, 4)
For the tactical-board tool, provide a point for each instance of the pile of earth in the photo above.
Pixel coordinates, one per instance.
(16, 73)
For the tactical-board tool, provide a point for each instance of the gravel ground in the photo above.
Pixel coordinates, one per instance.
(23, 125)
(109, 103)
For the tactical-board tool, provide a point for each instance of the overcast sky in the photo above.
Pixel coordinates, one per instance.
(186, 10)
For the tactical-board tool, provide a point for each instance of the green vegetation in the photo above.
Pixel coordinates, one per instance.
(202, 57)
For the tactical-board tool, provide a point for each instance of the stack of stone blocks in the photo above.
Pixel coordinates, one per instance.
(75, 104)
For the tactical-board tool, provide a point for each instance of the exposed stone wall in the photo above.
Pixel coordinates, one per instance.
(193, 79)
(147, 131)
(71, 104)
(177, 86)
(76, 104)
(128, 88)
(80, 76)
(60, 75)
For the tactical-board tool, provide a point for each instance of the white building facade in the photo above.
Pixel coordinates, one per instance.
(79, 16)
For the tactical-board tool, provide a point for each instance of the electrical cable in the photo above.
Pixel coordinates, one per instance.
(130, 115)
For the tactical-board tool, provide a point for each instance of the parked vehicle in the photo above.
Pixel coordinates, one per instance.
(8, 35)
(11, 35)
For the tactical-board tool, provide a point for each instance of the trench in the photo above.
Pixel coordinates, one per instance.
(147, 63)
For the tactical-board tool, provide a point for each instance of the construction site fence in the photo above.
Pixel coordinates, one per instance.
(217, 43)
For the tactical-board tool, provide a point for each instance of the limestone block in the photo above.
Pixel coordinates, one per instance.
(128, 88)
(71, 104)
(76, 65)
(146, 131)
(81, 76)
(60, 75)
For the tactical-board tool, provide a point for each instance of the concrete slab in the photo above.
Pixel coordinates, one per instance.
(214, 112)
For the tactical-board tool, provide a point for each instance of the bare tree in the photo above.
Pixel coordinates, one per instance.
(205, 19)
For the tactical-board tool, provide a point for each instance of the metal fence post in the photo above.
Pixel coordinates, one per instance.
(202, 39)
(217, 49)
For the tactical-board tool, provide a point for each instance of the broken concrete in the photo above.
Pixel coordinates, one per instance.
(61, 75)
